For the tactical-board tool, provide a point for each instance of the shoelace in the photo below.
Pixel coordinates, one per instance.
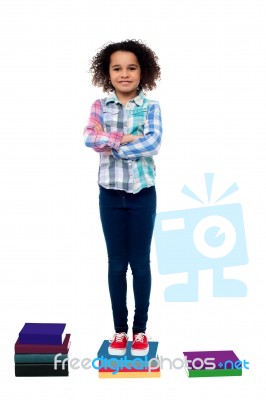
(118, 337)
(140, 337)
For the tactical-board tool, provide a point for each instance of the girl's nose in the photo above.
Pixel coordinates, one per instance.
(124, 73)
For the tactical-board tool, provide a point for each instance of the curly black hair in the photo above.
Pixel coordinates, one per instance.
(148, 61)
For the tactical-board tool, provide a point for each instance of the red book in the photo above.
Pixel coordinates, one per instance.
(43, 348)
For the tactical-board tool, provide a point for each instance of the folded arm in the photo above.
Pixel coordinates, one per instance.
(148, 144)
(94, 135)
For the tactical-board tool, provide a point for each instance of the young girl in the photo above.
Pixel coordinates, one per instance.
(125, 128)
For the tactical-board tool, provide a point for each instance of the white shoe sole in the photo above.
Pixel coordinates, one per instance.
(117, 352)
(140, 352)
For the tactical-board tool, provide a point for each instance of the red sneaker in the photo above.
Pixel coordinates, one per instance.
(118, 344)
(140, 345)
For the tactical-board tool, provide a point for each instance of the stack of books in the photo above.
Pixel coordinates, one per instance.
(42, 350)
(212, 363)
(128, 366)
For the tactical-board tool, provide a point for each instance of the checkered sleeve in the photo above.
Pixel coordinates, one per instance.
(149, 144)
(100, 140)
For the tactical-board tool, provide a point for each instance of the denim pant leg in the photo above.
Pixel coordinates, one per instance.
(114, 218)
(142, 214)
(128, 221)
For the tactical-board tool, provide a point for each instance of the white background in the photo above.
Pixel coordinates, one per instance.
(53, 259)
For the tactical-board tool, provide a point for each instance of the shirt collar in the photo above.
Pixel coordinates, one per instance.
(138, 100)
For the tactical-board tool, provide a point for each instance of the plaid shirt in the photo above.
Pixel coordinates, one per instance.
(131, 166)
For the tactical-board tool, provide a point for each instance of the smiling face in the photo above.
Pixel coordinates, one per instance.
(125, 74)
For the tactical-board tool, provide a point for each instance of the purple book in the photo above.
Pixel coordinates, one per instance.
(212, 363)
(42, 333)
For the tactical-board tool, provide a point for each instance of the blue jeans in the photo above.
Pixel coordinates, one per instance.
(128, 222)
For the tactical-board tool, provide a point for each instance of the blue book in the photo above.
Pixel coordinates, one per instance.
(103, 351)
(38, 358)
(42, 333)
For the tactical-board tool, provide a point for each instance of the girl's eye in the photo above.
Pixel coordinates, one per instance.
(130, 68)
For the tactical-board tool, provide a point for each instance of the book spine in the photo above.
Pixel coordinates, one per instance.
(214, 372)
(40, 370)
(133, 370)
(40, 339)
(130, 375)
(37, 358)
(35, 349)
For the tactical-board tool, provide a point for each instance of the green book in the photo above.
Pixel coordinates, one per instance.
(38, 358)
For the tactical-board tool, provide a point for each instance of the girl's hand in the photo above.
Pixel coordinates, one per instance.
(129, 138)
(125, 138)
(108, 152)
